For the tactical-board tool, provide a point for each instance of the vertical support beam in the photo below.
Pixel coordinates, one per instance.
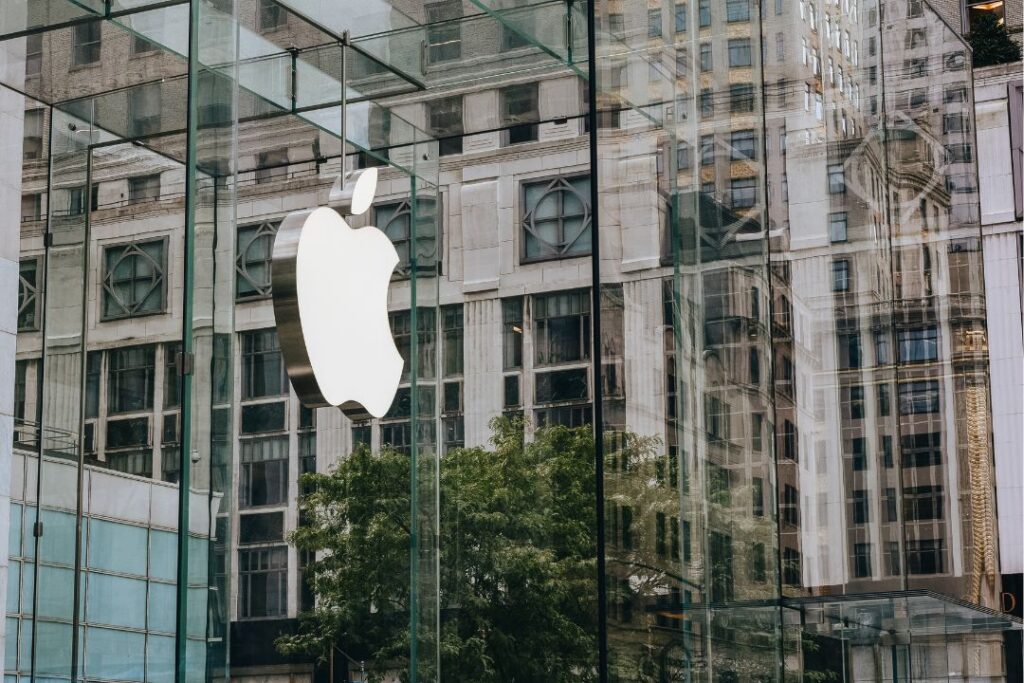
(185, 479)
(595, 307)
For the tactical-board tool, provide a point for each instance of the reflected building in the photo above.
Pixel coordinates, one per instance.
(790, 371)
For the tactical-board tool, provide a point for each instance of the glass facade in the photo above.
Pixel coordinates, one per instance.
(691, 303)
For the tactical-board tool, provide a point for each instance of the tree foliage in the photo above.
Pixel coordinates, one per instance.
(991, 42)
(517, 567)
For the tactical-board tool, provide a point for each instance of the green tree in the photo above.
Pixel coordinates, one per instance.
(518, 582)
(991, 42)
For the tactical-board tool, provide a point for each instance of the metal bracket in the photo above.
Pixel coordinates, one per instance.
(186, 363)
(47, 239)
(37, 529)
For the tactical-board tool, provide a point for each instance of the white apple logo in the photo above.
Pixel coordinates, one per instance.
(330, 288)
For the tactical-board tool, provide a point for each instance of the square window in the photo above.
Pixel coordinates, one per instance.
(743, 193)
(144, 188)
(739, 52)
(743, 145)
(133, 279)
(556, 218)
(271, 15)
(131, 373)
(737, 10)
(741, 98)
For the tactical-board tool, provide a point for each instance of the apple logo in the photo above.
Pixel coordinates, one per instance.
(330, 287)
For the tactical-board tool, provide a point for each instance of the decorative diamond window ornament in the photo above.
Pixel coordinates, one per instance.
(133, 280)
(556, 218)
(397, 221)
(253, 263)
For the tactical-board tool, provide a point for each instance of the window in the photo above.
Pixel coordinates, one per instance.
(255, 246)
(33, 55)
(859, 454)
(32, 146)
(921, 450)
(451, 340)
(757, 494)
(918, 398)
(76, 201)
(683, 161)
(739, 52)
(741, 98)
(682, 68)
(849, 351)
(397, 221)
(922, 503)
(836, 179)
(861, 509)
(707, 103)
(918, 345)
(884, 400)
(85, 43)
(926, 556)
(737, 10)
(263, 369)
(955, 123)
(706, 59)
(141, 46)
(263, 472)
(133, 279)
(144, 107)
(426, 341)
(889, 504)
(263, 582)
(513, 38)
(758, 563)
(28, 295)
(144, 188)
(31, 207)
(445, 121)
(707, 150)
(556, 218)
(743, 193)
(271, 165)
(616, 24)
(520, 113)
(561, 327)
(680, 16)
(704, 11)
(130, 379)
(654, 23)
(791, 567)
(861, 560)
(743, 145)
(892, 558)
(837, 226)
(512, 334)
(790, 507)
(856, 402)
(840, 275)
(444, 31)
(271, 15)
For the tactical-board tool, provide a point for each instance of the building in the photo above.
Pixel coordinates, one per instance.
(794, 296)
